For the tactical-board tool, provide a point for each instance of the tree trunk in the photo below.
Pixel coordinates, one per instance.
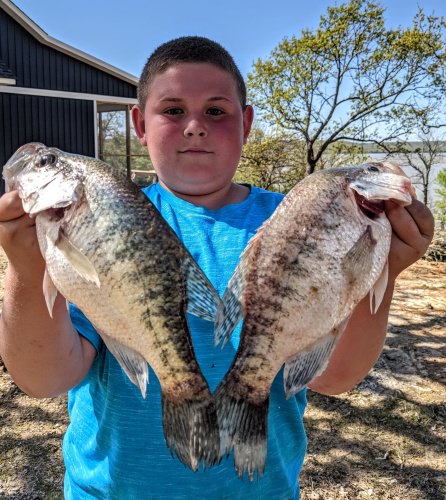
(311, 163)
(425, 193)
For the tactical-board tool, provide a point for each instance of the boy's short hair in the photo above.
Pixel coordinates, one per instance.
(188, 49)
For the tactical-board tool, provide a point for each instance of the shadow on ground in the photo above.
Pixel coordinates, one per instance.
(387, 438)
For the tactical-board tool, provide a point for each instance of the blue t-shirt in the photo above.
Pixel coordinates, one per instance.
(114, 447)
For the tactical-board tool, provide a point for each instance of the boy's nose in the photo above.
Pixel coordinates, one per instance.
(195, 128)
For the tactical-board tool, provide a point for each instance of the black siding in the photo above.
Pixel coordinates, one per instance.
(64, 123)
(36, 65)
(67, 124)
(5, 71)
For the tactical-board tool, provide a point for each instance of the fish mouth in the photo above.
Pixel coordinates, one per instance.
(370, 208)
(52, 214)
(57, 214)
(385, 186)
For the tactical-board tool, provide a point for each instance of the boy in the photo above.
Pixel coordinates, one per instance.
(193, 118)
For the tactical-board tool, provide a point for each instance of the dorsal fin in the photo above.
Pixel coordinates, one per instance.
(202, 298)
(231, 311)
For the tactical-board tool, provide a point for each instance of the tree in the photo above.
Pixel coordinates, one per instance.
(276, 160)
(344, 80)
(271, 161)
(441, 203)
(340, 153)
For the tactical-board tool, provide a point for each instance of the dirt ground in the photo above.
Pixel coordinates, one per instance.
(384, 440)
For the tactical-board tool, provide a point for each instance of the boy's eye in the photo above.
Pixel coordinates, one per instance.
(215, 111)
(173, 111)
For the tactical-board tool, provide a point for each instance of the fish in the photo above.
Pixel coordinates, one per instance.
(322, 251)
(108, 250)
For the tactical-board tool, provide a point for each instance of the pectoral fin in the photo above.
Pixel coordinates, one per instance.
(77, 259)
(306, 366)
(133, 364)
(357, 260)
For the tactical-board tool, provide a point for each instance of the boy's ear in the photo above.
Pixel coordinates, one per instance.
(139, 124)
(248, 117)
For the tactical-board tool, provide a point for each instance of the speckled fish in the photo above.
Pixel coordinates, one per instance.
(322, 251)
(109, 251)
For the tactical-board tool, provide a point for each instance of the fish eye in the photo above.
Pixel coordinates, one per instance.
(372, 168)
(47, 160)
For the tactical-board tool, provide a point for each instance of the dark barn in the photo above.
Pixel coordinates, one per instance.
(55, 94)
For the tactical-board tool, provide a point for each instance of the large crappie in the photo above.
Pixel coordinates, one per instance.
(299, 279)
(109, 251)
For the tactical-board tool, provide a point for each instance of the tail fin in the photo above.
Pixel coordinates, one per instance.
(243, 428)
(191, 430)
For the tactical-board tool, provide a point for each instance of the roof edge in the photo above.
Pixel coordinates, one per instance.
(37, 32)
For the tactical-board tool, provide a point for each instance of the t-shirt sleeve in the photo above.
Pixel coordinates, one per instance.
(84, 327)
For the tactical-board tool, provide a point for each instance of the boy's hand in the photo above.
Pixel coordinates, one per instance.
(413, 229)
(18, 234)
(44, 355)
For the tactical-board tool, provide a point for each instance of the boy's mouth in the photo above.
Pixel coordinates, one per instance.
(195, 151)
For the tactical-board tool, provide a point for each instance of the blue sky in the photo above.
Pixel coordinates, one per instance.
(125, 33)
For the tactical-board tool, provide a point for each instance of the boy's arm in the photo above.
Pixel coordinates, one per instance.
(362, 341)
(45, 356)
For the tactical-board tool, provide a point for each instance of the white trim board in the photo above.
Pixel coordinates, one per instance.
(7, 81)
(66, 95)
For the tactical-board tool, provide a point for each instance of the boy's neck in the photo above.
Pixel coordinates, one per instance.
(234, 193)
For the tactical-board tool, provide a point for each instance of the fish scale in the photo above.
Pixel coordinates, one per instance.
(109, 251)
(300, 277)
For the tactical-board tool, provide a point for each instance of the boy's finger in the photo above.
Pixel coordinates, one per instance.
(15, 224)
(10, 207)
(413, 224)
(422, 217)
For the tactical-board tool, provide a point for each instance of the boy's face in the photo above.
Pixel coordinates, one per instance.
(194, 128)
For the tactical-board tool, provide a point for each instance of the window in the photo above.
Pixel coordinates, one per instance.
(119, 145)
